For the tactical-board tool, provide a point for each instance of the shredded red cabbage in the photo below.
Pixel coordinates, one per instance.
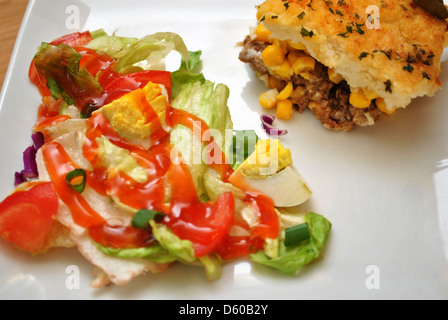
(29, 160)
(38, 140)
(268, 125)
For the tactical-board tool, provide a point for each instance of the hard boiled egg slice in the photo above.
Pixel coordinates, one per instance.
(269, 170)
(286, 188)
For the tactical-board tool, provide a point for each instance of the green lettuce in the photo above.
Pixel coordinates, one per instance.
(181, 249)
(292, 258)
(155, 253)
(208, 101)
(150, 50)
(184, 252)
(188, 73)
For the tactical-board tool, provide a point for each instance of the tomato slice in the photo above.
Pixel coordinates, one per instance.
(39, 81)
(121, 237)
(26, 217)
(76, 39)
(121, 85)
(205, 225)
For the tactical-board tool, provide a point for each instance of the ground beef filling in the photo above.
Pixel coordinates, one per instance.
(328, 101)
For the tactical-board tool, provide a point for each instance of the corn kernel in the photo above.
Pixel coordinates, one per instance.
(305, 75)
(371, 94)
(284, 109)
(283, 70)
(359, 100)
(282, 44)
(304, 64)
(286, 92)
(262, 33)
(297, 46)
(382, 106)
(294, 55)
(273, 56)
(268, 99)
(334, 77)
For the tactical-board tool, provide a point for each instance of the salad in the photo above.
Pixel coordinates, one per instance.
(140, 168)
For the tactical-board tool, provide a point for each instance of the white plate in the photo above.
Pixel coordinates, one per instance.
(385, 188)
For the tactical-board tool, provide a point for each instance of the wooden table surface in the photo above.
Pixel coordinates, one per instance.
(11, 15)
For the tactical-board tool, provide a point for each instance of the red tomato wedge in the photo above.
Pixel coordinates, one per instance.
(123, 84)
(26, 217)
(205, 225)
(76, 39)
(121, 237)
(39, 81)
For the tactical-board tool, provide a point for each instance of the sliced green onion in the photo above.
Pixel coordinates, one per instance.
(98, 33)
(296, 234)
(77, 174)
(142, 217)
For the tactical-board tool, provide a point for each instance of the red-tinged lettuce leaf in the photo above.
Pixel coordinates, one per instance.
(59, 64)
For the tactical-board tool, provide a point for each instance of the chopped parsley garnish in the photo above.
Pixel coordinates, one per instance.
(411, 59)
(408, 68)
(387, 53)
(306, 33)
(426, 76)
(310, 5)
(300, 16)
(363, 55)
(388, 84)
(358, 28)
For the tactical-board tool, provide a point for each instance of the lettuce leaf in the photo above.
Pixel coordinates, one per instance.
(184, 252)
(181, 249)
(212, 265)
(111, 45)
(59, 64)
(150, 50)
(188, 73)
(154, 253)
(207, 101)
(291, 259)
